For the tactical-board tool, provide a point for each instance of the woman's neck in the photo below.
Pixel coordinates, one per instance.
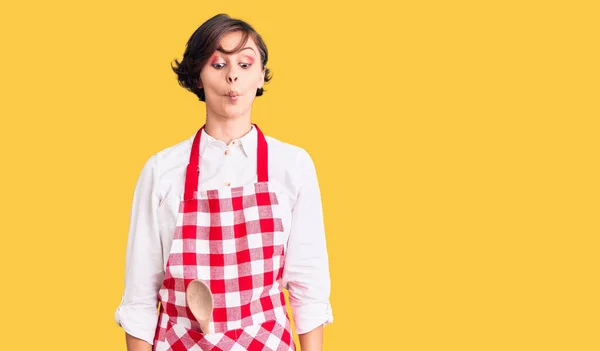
(227, 129)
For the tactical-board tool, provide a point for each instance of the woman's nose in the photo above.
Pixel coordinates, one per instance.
(231, 78)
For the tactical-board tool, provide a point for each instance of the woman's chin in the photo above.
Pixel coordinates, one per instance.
(233, 111)
(228, 110)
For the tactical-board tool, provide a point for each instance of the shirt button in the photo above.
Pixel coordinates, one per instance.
(227, 183)
(226, 152)
(233, 142)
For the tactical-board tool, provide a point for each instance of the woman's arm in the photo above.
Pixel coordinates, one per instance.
(137, 314)
(306, 264)
(313, 340)
(135, 344)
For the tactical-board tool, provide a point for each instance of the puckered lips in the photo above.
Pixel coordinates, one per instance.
(233, 95)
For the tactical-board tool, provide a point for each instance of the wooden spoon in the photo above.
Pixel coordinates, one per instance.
(200, 301)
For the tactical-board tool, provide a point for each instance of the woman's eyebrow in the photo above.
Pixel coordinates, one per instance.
(247, 47)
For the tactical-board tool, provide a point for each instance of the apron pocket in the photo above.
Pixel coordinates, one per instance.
(193, 340)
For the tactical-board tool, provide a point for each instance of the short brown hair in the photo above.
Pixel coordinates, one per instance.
(203, 43)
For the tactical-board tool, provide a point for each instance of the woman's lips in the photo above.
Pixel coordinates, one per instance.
(233, 96)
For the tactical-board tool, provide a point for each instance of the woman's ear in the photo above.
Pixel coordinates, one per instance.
(262, 78)
(200, 85)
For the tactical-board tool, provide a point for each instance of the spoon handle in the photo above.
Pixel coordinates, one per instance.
(205, 326)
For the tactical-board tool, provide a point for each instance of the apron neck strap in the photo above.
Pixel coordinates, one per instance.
(193, 169)
(262, 156)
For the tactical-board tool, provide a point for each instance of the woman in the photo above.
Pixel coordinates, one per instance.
(235, 209)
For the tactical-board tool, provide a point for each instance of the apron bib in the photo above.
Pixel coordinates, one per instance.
(232, 240)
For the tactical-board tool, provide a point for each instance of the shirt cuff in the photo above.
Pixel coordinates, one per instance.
(310, 316)
(140, 323)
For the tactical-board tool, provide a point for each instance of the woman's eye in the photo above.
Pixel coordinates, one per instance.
(245, 65)
(218, 65)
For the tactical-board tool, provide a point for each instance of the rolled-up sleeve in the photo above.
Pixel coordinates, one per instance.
(137, 313)
(306, 271)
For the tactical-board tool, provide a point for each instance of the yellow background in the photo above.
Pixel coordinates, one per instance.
(456, 144)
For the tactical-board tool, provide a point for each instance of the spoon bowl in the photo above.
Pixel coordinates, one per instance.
(200, 301)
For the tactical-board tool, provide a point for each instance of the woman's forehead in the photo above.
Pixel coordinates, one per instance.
(233, 40)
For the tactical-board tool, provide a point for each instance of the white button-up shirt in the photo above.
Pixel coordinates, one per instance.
(156, 199)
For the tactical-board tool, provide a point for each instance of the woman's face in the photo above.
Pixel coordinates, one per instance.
(230, 81)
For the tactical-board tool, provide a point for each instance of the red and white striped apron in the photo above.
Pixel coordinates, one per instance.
(232, 239)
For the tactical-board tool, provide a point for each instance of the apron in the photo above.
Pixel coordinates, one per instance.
(232, 240)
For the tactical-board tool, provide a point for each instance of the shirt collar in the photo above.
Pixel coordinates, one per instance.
(248, 142)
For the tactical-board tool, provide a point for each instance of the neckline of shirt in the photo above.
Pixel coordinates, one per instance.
(247, 142)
